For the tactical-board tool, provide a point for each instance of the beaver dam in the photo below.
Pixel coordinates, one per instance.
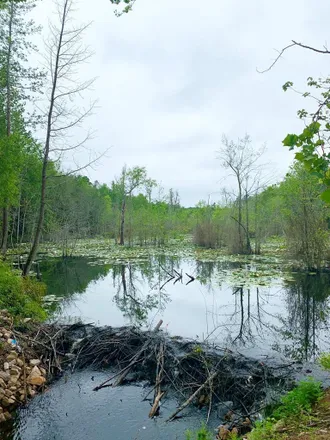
(195, 374)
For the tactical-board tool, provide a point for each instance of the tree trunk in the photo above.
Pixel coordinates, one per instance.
(240, 238)
(35, 245)
(5, 228)
(5, 215)
(248, 242)
(122, 222)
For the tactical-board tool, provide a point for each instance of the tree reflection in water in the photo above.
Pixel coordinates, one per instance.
(132, 298)
(306, 327)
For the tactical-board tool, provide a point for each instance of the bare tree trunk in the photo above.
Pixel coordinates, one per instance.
(248, 241)
(240, 238)
(122, 222)
(34, 249)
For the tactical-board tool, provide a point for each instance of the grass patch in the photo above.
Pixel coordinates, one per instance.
(291, 413)
(201, 434)
(22, 297)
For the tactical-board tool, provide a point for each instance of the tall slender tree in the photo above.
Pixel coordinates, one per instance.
(66, 52)
(17, 82)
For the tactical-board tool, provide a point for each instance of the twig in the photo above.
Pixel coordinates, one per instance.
(191, 398)
(123, 373)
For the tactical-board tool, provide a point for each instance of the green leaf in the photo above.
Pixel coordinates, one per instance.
(290, 140)
(325, 195)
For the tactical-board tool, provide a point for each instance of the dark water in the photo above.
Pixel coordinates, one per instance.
(70, 410)
(288, 318)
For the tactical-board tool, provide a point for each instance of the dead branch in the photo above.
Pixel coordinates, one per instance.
(293, 44)
(159, 376)
(192, 397)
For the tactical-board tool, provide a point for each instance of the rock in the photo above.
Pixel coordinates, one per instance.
(35, 372)
(224, 433)
(35, 362)
(43, 371)
(35, 377)
(26, 320)
(13, 362)
(11, 356)
(13, 380)
(2, 383)
(32, 393)
(7, 401)
(2, 418)
(7, 415)
(37, 380)
(8, 393)
(19, 362)
(1, 409)
(2, 392)
(15, 371)
(6, 366)
(4, 375)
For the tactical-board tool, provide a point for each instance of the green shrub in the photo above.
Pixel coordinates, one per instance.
(299, 400)
(201, 434)
(263, 431)
(292, 407)
(22, 297)
(325, 360)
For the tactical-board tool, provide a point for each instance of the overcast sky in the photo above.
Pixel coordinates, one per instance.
(174, 75)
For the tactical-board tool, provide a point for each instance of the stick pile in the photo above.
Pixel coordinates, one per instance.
(196, 373)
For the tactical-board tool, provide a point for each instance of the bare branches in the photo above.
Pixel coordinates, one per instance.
(65, 53)
(294, 43)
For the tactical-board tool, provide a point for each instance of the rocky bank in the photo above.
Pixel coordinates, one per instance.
(21, 372)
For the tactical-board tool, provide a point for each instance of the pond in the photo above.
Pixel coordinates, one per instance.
(257, 311)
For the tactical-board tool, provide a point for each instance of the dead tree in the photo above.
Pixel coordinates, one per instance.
(241, 159)
(65, 54)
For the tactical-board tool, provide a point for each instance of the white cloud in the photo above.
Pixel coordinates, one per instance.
(173, 75)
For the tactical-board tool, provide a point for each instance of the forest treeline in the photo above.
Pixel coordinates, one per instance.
(40, 202)
(78, 208)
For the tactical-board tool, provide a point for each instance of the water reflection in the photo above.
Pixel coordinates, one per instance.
(131, 298)
(305, 327)
(290, 317)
